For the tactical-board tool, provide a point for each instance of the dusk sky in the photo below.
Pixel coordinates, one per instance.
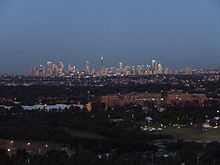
(177, 33)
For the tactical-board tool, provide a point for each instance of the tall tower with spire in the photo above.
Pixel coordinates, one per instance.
(102, 61)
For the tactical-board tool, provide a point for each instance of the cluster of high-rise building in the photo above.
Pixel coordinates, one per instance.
(52, 69)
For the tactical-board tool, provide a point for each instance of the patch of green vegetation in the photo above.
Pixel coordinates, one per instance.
(193, 134)
(82, 134)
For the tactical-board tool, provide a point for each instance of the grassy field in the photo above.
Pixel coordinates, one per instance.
(193, 134)
(182, 133)
(81, 134)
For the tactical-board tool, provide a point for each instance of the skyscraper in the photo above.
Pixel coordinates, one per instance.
(120, 67)
(42, 71)
(154, 66)
(87, 67)
(34, 72)
(188, 70)
(54, 70)
(61, 69)
(160, 69)
(62, 66)
(49, 68)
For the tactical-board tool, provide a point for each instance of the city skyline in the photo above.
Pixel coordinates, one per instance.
(110, 82)
(121, 69)
(178, 33)
(96, 64)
